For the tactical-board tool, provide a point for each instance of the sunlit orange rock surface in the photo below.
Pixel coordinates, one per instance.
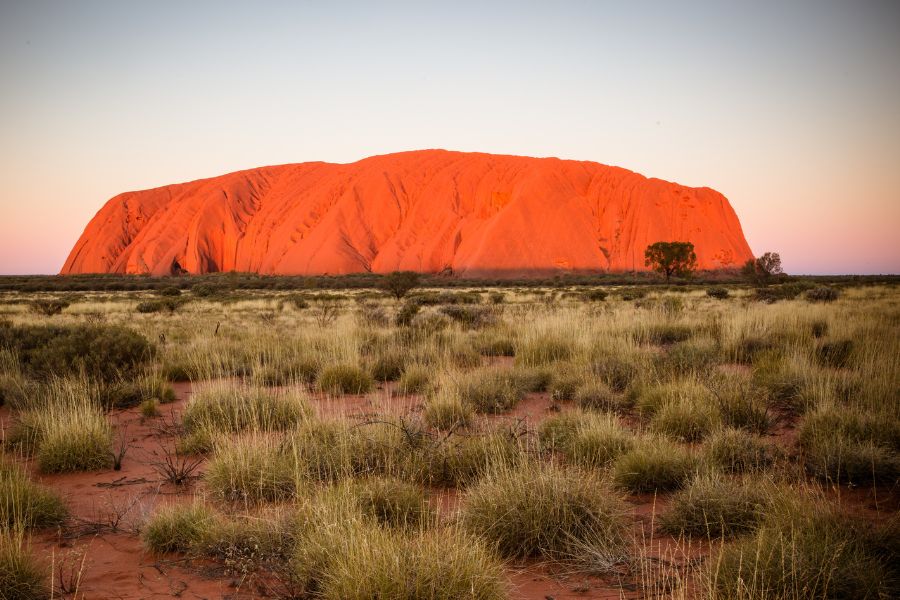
(471, 214)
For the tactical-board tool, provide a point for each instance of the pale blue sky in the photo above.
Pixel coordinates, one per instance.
(791, 109)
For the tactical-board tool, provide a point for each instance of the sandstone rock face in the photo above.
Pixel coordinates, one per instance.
(472, 214)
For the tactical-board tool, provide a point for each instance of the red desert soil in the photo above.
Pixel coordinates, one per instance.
(113, 563)
(471, 214)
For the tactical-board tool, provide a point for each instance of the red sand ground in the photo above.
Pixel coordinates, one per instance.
(113, 563)
(429, 211)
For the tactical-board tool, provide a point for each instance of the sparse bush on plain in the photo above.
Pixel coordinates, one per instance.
(823, 293)
(834, 353)
(105, 352)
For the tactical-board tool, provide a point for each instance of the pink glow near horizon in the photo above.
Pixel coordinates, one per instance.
(792, 113)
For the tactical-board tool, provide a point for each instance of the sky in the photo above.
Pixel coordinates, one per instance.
(790, 109)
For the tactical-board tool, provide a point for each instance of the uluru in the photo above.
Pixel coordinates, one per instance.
(432, 211)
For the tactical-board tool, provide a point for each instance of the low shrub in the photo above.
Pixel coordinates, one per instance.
(406, 314)
(716, 507)
(352, 559)
(691, 356)
(105, 352)
(344, 379)
(615, 371)
(532, 379)
(286, 371)
(494, 344)
(597, 441)
(719, 293)
(150, 408)
(169, 305)
(650, 399)
(68, 433)
(564, 384)
(823, 293)
(664, 334)
(595, 295)
(48, 307)
(835, 353)
(653, 465)
(543, 510)
(473, 317)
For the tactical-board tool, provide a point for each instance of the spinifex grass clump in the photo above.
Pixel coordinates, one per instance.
(344, 379)
(686, 420)
(544, 510)
(251, 468)
(416, 379)
(489, 390)
(340, 554)
(392, 501)
(585, 439)
(664, 333)
(543, 349)
(21, 576)
(23, 503)
(714, 506)
(847, 445)
(808, 549)
(447, 413)
(738, 451)
(653, 465)
(226, 408)
(596, 395)
(68, 432)
(178, 528)
(463, 459)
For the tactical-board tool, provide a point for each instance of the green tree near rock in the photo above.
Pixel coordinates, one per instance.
(671, 258)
